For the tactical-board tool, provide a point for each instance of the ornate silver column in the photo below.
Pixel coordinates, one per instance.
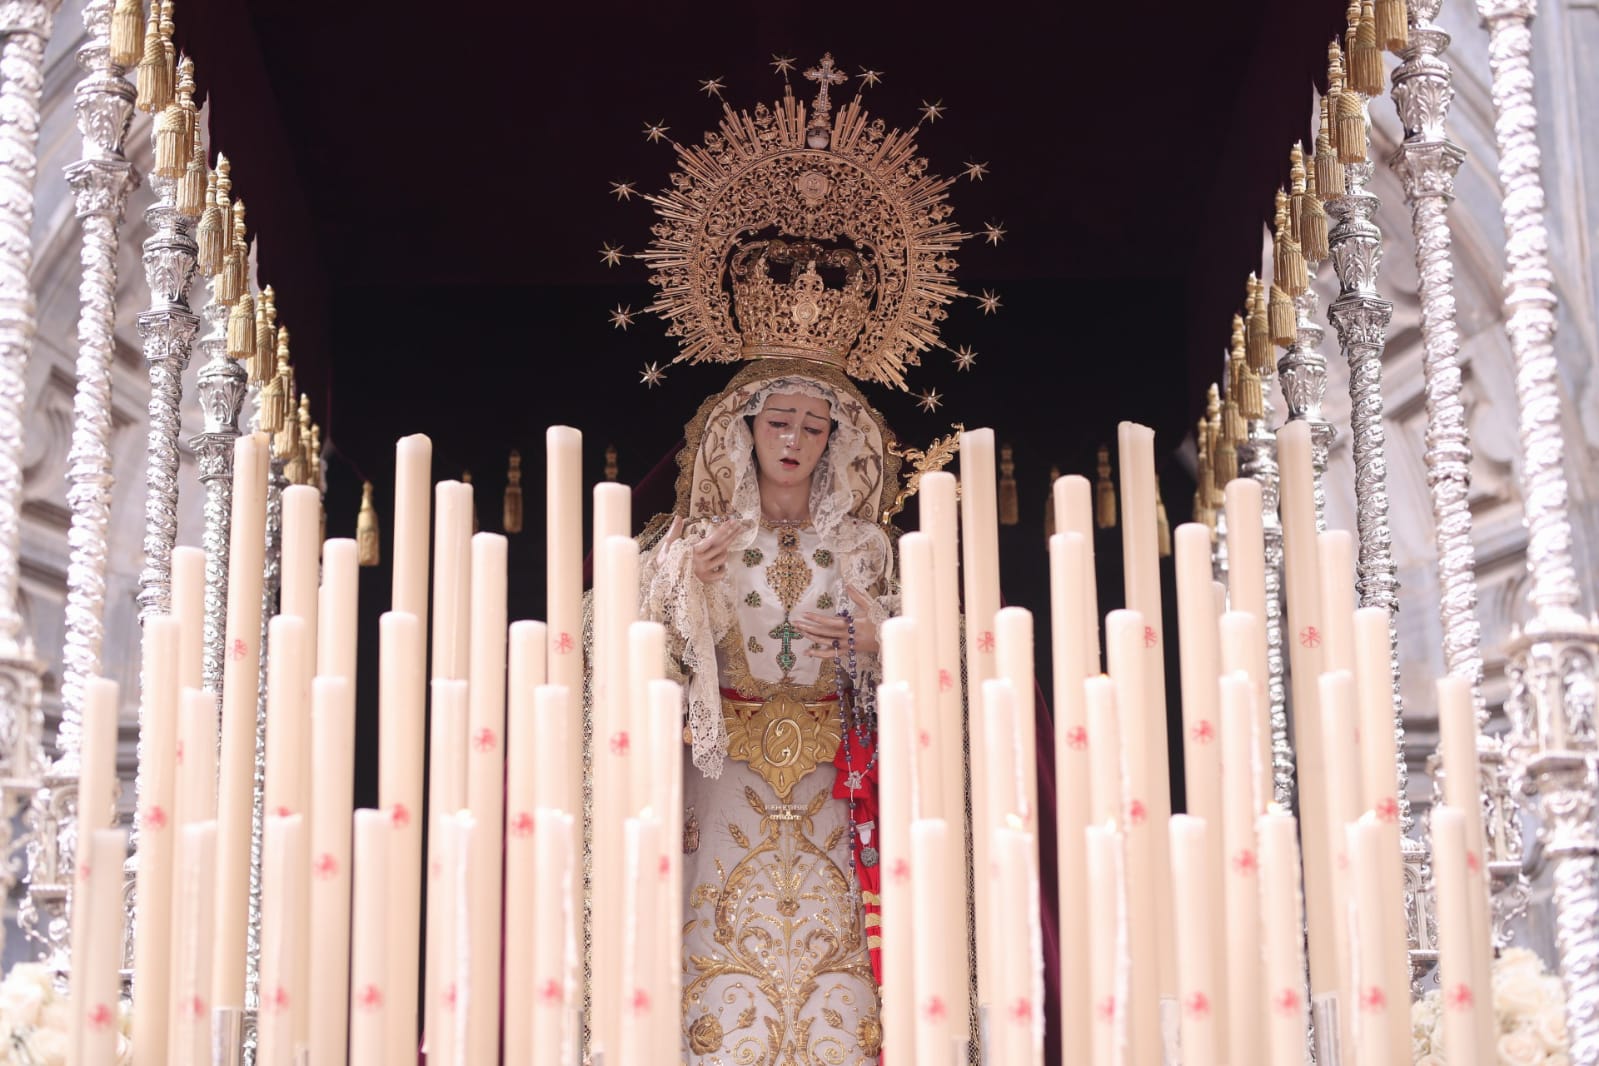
(168, 330)
(1554, 667)
(1361, 318)
(100, 181)
(1302, 374)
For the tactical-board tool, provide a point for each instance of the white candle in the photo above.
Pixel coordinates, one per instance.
(1380, 785)
(97, 973)
(1074, 513)
(369, 946)
(1020, 999)
(1282, 912)
(413, 474)
(640, 940)
(1337, 713)
(287, 789)
(615, 608)
(402, 731)
(930, 906)
(666, 795)
(1014, 633)
(283, 867)
(157, 790)
(979, 543)
(523, 765)
(1073, 772)
(191, 972)
(332, 803)
(1335, 553)
(485, 793)
(240, 680)
(918, 598)
(188, 607)
(1240, 872)
(1002, 741)
(452, 998)
(1302, 632)
(97, 802)
(555, 909)
(1246, 547)
(301, 565)
(1374, 998)
(1191, 859)
(446, 796)
(552, 724)
(563, 576)
(196, 759)
(895, 760)
(646, 663)
(1107, 800)
(336, 626)
(452, 576)
(1107, 929)
(1457, 729)
(1243, 650)
(1465, 999)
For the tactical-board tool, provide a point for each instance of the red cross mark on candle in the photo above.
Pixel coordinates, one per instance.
(925, 739)
(901, 870)
(399, 816)
(240, 649)
(282, 811)
(1136, 812)
(552, 992)
(621, 744)
(1473, 863)
(985, 642)
(483, 741)
(1021, 1011)
(84, 870)
(1077, 738)
(1151, 638)
(1387, 809)
(154, 818)
(448, 996)
(945, 681)
(1203, 732)
(180, 753)
(193, 1007)
(934, 1009)
(1310, 637)
(1105, 1009)
(640, 1003)
(1460, 997)
(522, 824)
(564, 644)
(435, 868)
(1373, 1000)
(1244, 862)
(371, 998)
(326, 867)
(277, 1001)
(663, 868)
(1197, 1005)
(1287, 1001)
(99, 1016)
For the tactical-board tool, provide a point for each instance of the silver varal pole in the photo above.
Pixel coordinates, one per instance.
(221, 387)
(1554, 667)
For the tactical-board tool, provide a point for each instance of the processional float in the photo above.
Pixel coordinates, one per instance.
(256, 852)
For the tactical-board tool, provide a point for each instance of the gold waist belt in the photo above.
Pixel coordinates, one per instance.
(782, 739)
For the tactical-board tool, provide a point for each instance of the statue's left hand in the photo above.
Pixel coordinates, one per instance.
(831, 631)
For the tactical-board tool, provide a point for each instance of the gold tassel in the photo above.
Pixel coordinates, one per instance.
(612, 471)
(1312, 224)
(1232, 415)
(1257, 332)
(1202, 479)
(230, 285)
(127, 33)
(1296, 190)
(1162, 525)
(174, 130)
(1365, 57)
(1328, 171)
(266, 341)
(208, 234)
(241, 327)
(190, 199)
(1288, 262)
(274, 400)
(1049, 504)
(1009, 506)
(1351, 129)
(367, 550)
(154, 77)
(512, 512)
(313, 457)
(1393, 25)
(1104, 492)
(1251, 397)
(466, 479)
(1280, 315)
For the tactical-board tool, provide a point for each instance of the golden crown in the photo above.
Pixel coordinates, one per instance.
(804, 232)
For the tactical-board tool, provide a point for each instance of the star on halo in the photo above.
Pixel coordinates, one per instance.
(989, 301)
(932, 112)
(652, 375)
(623, 190)
(993, 233)
(655, 131)
(782, 64)
(976, 171)
(610, 254)
(622, 317)
(712, 87)
(930, 400)
(964, 357)
(870, 78)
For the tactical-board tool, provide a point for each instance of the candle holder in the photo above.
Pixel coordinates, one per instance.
(221, 385)
(1325, 1036)
(227, 1036)
(276, 482)
(24, 28)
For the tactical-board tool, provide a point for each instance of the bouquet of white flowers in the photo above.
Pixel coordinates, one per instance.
(1529, 1015)
(36, 1022)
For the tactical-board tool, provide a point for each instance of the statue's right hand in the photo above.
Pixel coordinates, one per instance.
(710, 554)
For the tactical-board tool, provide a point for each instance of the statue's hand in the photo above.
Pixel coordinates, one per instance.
(831, 631)
(710, 554)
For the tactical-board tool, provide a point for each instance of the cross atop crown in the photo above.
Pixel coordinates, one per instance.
(825, 75)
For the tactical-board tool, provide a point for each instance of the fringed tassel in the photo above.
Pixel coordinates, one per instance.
(1289, 265)
(1162, 526)
(266, 341)
(1104, 493)
(1049, 504)
(208, 235)
(1009, 504)
(190, 199)
(1313, 226)
(1232, 415)
(127, 33)
(1251, 397)
(154, 78)
(1365, 59)
(272, 405)
(173, 139)
(241, 327)
(1351, 129)
(512, 510)
(612, 469)
(1329, 172)
(1257, 331)
(313, 456)
(466, 479)
(1280, 318)
(367, 549)
(230, 282)
(1226, 463)
(1203, 477)
(1393, 25)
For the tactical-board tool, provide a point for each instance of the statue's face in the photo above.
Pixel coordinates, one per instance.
(791, 433)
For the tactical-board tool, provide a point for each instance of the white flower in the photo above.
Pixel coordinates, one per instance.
(48, 1047)
(1430, 1059)
(1518, 993)
(20, 1003)
(124, 1050)
(56, 1016)
(1520, 1049)
(1550, 1027)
